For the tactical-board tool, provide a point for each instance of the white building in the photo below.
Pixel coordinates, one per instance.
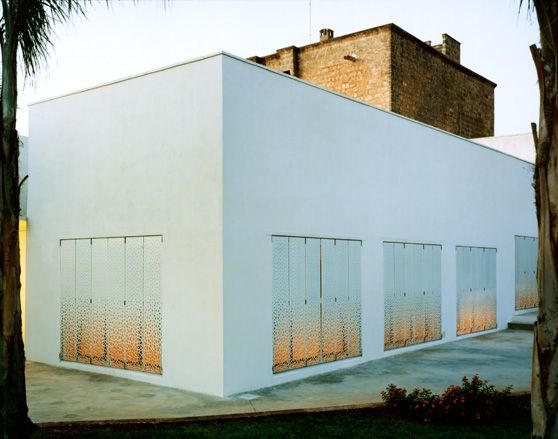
(217, 226)
(518, 145)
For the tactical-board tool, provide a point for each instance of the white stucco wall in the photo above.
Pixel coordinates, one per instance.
(302, 161)
(219, 154)
(135, 157)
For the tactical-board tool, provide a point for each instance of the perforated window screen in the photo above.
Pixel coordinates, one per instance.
(412, 294)
(526, 254)
(316, 301)
(476, 289)
(111, 302)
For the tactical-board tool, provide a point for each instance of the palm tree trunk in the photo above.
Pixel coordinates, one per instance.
(14, 421)
(544, 391)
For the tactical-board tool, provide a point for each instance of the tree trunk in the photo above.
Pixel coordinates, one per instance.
(14, 421)
(544, 391)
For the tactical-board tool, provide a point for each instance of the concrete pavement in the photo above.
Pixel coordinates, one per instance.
(64, 395)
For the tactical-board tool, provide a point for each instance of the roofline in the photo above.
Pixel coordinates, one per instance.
(366, 104)
(292, 78)
(393, 27)
(127, 78)
(433, 51)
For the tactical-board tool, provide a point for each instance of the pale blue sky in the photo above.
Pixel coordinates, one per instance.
(129, 38)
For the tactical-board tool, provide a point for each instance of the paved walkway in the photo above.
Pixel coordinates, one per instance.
(57, 394)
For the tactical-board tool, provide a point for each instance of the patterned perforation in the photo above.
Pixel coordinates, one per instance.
(412, 294)
(316, 301)
(111, 302)
(476, 289)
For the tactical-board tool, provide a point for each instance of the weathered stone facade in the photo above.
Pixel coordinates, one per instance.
(388, 67)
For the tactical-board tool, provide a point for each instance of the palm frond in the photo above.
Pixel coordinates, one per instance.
(32, 23)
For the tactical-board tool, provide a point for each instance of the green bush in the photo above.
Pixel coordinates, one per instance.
(473, 401)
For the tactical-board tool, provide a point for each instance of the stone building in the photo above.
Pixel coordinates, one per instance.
(390, 68)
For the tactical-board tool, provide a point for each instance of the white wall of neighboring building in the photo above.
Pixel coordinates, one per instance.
(302, 161)
(136, 157)
(517, 145)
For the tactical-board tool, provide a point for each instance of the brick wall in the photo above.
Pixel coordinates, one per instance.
(434, 90)
(284, 60)
(366, 78)
(449, 47)
(387, 67)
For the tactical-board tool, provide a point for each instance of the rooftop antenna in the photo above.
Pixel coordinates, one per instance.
(309, 21)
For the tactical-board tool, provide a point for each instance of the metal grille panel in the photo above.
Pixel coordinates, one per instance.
(328, 327)
(152, 330)
(111, 302)
(116, 280)
(281, 305)
(476, 289)
(341, 268)
(354, 307)
(390, 316)
(99, 261)
(526, 255)
(412, 294)
(434, 296)
(133, 304)
(316, 301)
(68, 307)
(83, 299)
(312, 306)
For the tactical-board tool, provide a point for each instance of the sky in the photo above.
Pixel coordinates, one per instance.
(126, 38)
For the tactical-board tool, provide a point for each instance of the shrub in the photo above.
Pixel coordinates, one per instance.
(396, 399)
(473, 401)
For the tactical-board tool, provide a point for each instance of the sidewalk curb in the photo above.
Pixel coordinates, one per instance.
(208, 418)
(223, 417)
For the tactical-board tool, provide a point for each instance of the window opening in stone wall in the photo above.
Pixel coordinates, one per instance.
(316, 301)
(526, 254)
(111, 302)
(412, 294)
(476, 289)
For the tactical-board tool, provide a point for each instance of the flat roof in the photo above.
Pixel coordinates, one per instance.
(286, 76)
